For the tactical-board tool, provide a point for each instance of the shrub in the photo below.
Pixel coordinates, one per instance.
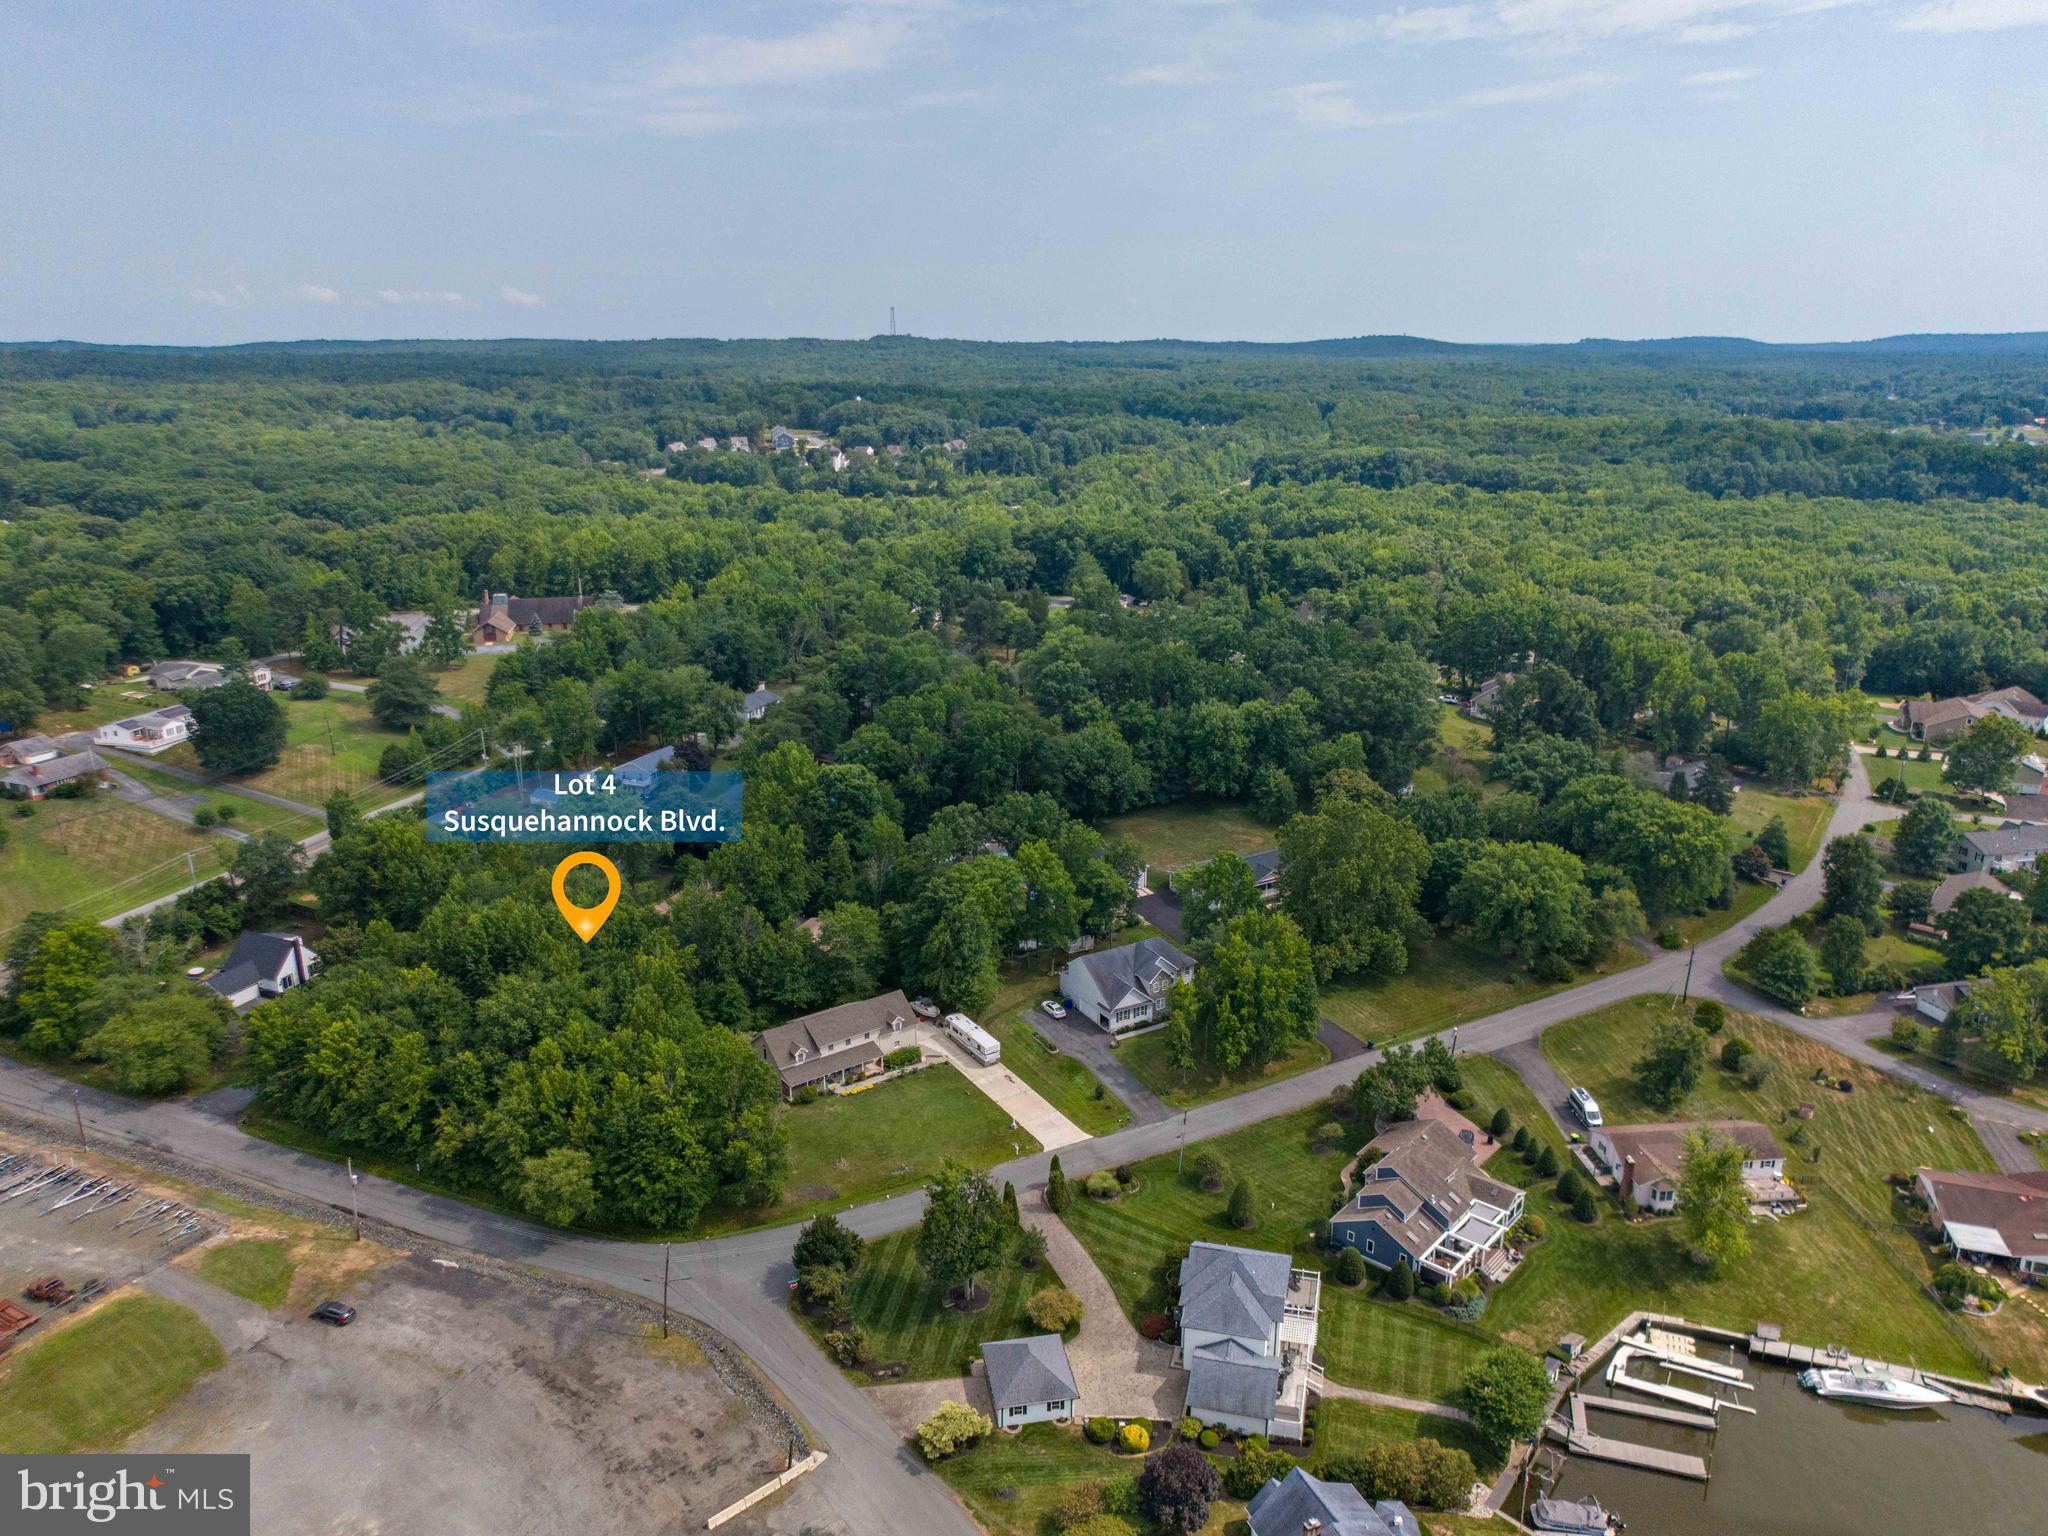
(1134, 1438)
(1102, 1185)
(1056, 1187)
(909, 1055)
(849, 1346)
(205, 816)
(1709, 1015)
(808, 1094)
(1155, 1326)
(1099, 1430)
(1240, 1208)
(1502, 1123)
(1400, 1281)
(1584, 1207)
(224, 812)
(1546, 1161)
(1209, 1439)
(1553, 970)
(1670, 938)
(1190, 1428)
(1210, 1172)
(1030, 1248)
(1733, 1051)
(1521, 1141)
(953, 1428)
(1436, 1293)
(1534, 1228)
(828, 1241)
(310, 687)
(822, 1287)
(1254, 1466)
(1078, 1502)
(1351, 1266)
(1101, 1525)
(1055, 1309)
(1905, 1034)
(1757, 1069)
(1176, 1489)
(1330, 1135)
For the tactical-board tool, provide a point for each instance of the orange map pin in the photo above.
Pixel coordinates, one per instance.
(586, 920)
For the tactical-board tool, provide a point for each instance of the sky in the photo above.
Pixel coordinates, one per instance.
(1499, 170)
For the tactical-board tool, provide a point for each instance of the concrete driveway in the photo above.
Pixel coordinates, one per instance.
(1011, 1094)
(1118, 1373)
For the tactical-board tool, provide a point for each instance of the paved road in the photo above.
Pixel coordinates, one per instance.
(1162, 910)
(448, 710)
(207, 781)
(178, 808)
(738, 1284)
(1076, 1037)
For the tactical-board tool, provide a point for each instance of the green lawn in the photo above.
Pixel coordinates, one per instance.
(1345, 1427)
(1847, 1270)
(1203, 1084)
(1190, 832)
(1011, 1483)
(848, 1150)
(463, 684)
(246, 815)
(101, 856)
(1062, 1080)
(331, 743)
(1806, 818)
(108, 701)
(1921, 778)
(257, 1269)
(909, 1324)
(90, 1386)
(1460, 758)
(1448, 981)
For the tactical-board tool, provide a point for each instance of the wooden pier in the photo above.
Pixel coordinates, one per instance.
(1970, 1395)
(1652, 1411)
(1582, 1441)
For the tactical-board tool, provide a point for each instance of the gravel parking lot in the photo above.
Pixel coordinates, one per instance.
(460, 1400)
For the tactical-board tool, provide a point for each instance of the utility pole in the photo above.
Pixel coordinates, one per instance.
(1690, 951)
(191, 869)
(664, 1290)
(79, 1115)
(355, 1210)
(1181, 1156)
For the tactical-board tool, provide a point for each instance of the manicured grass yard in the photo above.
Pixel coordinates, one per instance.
(463, 684)
(1448, 981)
(1011, 1483)
(1847, 1270)
(1202, 1084)
(908, 1322)
(1921, 778)
(108, 701)
(246, 815)
(257, 1269)
(103, 854)
(1409, 1349)
(1062, 1080)
(1191, 832)
(1345, 1427)
(89, 1386)
(849, 1150)
(1806, 817)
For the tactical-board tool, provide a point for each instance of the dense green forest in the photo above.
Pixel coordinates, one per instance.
(1095, 579)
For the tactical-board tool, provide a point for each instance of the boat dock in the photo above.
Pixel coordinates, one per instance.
(1652, 1411)
(1970, 1395)
(1582, 1441)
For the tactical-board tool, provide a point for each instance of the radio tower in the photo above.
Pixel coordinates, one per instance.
(892, 319)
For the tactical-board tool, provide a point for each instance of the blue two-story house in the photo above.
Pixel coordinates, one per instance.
(1426, 1201)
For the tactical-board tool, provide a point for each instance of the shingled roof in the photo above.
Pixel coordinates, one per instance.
(1028, 1371)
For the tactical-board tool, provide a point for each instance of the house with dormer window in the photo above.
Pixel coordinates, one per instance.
(836, 1045)
(1425, 1202)
(1126, 988)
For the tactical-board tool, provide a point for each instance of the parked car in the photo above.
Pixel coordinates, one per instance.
(1053, 1008)
(338, 1313)
(1586, 1107)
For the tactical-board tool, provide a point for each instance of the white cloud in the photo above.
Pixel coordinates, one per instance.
(1976, 16)
(221, 297)
(1329, 104)
(1710, 32)
(965, 96)
(1186, 72)
(317, 293)
(519, 297)
(1707, 78)
(1536, 90)
(692, 118)
(858, 42)
(1573, 23)
(419, 296)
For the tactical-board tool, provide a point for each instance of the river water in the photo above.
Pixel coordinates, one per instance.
(1802, 1466)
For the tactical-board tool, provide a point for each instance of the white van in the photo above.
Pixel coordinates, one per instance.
(1586, 1107)
(972, 1038)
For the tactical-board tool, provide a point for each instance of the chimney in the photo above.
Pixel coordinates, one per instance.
(1628, 1176)
(1311, 1525)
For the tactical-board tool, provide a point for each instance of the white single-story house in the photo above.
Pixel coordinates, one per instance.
(157, 731)
(27, 751)
(263, 965)
(1128, 987)
(1937, 1001)
(175, 675)
(1030, 1381)
(759, 701)
(1645, 1160)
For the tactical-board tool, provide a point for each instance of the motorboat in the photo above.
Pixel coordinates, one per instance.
(1575, 1517)
(1873, 1389)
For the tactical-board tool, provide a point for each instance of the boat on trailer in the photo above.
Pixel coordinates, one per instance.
(1873, 1389)
(1573, 1517)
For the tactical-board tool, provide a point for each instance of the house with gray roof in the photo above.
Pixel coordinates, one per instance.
(1425, 1202)
(1128, 987)
(179, 675)
(1991, 1216)
(157, 731)
(2010, 845)
(758, 702)
(32, 781)
(1945, 894)
(1248, 1322)
(1029, 1380)
(1304, 1505)
(1937, 1001)
(1266, 872)
(836, 1045)
(263, 965)
(26, 751)
(1935, 720)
